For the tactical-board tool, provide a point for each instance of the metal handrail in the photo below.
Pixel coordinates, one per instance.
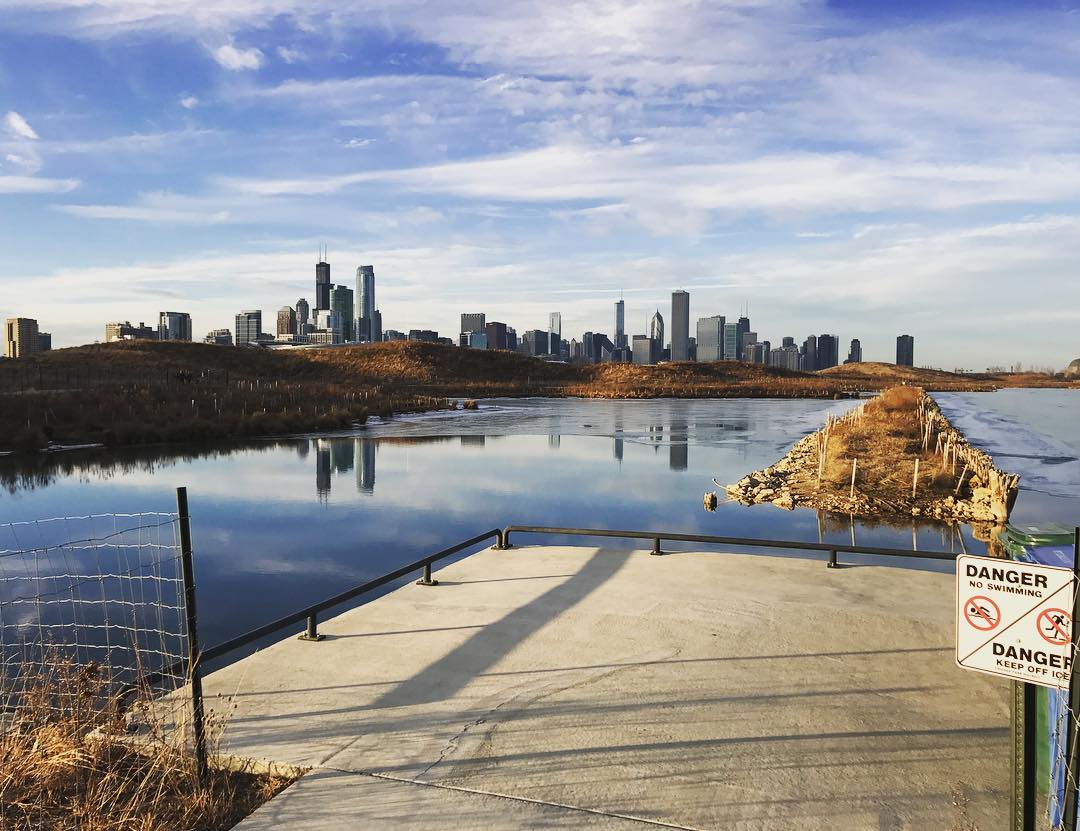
(311, 612)
(793, 545)
(502, 538)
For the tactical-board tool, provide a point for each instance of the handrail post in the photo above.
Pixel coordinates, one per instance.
(502, 539)
(426, 579)
(832, 559)
(198, 720)
(311, 633)
(656, 552)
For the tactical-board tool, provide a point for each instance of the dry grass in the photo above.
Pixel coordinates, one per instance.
(68, 762)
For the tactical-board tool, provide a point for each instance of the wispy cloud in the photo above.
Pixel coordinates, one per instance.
(17, 126)
(35, 184)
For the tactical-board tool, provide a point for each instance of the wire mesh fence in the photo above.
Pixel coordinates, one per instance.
(92, 614)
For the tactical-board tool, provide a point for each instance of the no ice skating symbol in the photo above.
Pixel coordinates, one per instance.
(982, 613)
(1053, 625)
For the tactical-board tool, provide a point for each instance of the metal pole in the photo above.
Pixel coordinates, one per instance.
(1024, 763)
(426, 579)
(312, 631)
(656, 547)
(832, 559)
(194, 668)
(1072, 751)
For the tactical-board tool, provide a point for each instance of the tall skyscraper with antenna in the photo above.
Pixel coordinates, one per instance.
(620, 324)
(322, 281)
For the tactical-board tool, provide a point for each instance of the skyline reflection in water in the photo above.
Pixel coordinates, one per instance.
(282, 523)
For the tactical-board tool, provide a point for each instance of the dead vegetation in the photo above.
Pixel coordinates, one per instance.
(69, 760)
(896, 454)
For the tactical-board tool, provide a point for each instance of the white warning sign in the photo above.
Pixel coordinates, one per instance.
(1014, 619)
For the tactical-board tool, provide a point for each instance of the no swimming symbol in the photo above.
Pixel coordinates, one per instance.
(982, 613)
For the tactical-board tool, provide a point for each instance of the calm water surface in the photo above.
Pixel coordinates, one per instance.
(280, 524)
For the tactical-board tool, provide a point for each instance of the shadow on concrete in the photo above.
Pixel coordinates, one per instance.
(449, 674)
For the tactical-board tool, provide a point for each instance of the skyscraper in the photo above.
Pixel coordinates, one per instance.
(680, 326)
(322, 282)
(365, 304)
(742, 327)
(303, 315)
(341, 301)
(174, 326)
(248, 326)
(21, 337)
(620, 324)
(644, 350)
(854, 355)
(555, 333)
(496, 335)
(809, 361)
(905, 350)
(828, 351)
(731, 342)
(286, 323)
(476, 322)
(656, 331)
(710, 338)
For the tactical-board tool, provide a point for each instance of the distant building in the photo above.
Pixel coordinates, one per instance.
(656, 332)
(22, 338)
(286, 323)
(710, 338)
(731, 342)
(376, 326)
(786, 357)
(248, 327)
(425, 335)
(680, 326)
(219, 337)
(341, 301)
(125, 331)
(905, 350)
(787, 342)
(756, 353)
(828, 351)
(475, 340)
(331, 322)
(511, 338)
(475, 322)
(555, 333)
(303, 315)
(536, 342)
(322, 283)
(620, 324)
(742, 327)
(644, 350)
(394, 334)
(366, 329)
(496, 335)
(809, 361)
(746, 344)
(854, 355)
(174, 326)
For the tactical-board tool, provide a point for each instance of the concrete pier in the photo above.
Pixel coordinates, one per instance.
(547, 687)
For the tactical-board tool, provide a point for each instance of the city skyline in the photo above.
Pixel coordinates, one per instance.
(489, 169)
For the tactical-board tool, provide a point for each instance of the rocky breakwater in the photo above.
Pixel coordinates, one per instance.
(895, 455)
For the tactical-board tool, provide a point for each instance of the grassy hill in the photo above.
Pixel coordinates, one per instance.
(139, 392)
(873, 375)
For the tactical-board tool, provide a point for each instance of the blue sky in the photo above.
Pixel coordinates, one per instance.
(844, 167)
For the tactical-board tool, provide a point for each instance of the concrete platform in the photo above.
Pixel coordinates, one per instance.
(585, 687)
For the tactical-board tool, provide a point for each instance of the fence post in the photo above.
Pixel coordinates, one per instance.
(1072, 752)
(198, 720)
(311, 633)
(832, 559)
(656, 547)
(426, 579)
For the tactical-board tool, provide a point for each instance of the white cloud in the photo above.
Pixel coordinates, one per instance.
(139, 213)
(18, 127)
(235, 59)
(189, 102)
(289, 55)
(356, 143)
(34, 184)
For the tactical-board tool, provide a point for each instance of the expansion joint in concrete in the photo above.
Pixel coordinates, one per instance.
(561, 806)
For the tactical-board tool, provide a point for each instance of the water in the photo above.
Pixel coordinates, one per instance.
(281, 524)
